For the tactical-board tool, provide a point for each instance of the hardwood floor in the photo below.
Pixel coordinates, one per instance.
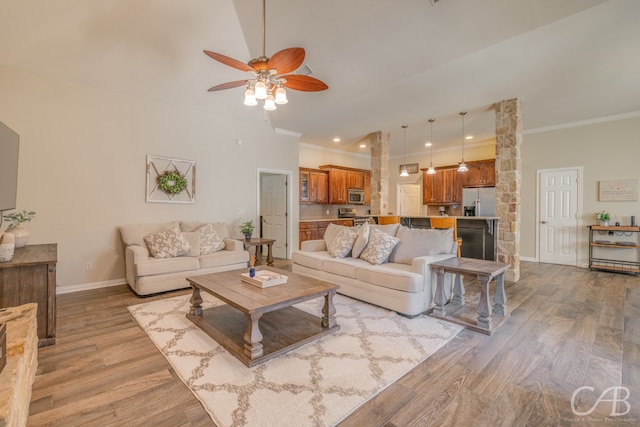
(568, 328)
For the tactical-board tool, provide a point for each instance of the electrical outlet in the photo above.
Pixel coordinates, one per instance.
(88, 266)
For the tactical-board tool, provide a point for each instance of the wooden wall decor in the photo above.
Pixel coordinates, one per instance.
(616, 190)
(411, 168)
(170, 180)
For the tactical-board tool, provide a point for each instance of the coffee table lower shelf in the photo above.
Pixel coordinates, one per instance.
(283, 330)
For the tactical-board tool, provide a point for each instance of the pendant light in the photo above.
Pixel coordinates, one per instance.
(431, 170)
(462, 167)
(403, 171)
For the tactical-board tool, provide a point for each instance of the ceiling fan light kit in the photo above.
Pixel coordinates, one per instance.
(271, 75)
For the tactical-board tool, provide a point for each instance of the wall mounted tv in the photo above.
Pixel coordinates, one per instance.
(9, 145)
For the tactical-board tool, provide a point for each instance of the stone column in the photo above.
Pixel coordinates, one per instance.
(508, 183)
(379, 143)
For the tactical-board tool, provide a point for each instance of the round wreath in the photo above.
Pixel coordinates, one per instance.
(172, 182)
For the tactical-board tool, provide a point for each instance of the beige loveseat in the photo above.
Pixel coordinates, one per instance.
(147, 274)
(402, 282)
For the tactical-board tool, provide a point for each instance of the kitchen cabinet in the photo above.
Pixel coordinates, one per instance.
(314, 230)
(314, 186)
(442, 188)
(355, 179)
(342, 178)
(480, 174)
(367, 188)
(338, 187)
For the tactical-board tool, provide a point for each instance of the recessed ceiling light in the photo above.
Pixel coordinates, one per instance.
(363, 145)
(468, 137)
(336, 139)
(427, 144)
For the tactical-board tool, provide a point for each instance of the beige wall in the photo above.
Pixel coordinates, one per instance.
(82, 167)
(604, 151)
(313, 156)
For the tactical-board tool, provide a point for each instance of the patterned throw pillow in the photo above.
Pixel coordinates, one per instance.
(342, 243)
(361, 240)
(210, 242)
(167, 244)
(379, 247)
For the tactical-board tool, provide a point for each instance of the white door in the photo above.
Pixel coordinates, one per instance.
(273, 209)
(558, 216)
(410, 196)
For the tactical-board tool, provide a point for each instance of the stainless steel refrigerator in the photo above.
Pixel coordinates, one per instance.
(483, 199)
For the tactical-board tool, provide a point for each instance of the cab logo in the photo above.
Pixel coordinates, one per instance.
(612, 395)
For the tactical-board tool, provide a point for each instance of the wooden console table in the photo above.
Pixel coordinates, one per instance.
(485, 272)
(31, 277)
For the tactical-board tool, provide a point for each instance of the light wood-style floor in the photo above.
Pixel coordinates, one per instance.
(568, 328)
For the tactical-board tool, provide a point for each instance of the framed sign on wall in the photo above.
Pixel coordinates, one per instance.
(616, 190)
(170, 180)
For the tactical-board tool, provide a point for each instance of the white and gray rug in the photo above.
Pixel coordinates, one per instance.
(318, 384)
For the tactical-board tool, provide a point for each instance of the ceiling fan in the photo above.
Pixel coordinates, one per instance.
(271, 75)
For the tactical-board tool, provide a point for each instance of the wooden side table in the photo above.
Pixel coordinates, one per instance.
(485, 272)
(257, 242)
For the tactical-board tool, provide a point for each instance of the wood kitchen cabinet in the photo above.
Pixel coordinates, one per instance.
(314, 186)
(367, 188)
(355, 179)
(342, 178)
(442, 188)
(31, 277)
(314, 230)
(480, 174)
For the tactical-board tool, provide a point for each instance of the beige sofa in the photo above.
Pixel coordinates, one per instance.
(404, 283)
(149, 275)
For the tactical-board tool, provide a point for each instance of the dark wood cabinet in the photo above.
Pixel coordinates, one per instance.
(355, 179)
(480, 174)
(342, 178)
(314, 186)
(442, 188)
(31, 277)
(314, 230)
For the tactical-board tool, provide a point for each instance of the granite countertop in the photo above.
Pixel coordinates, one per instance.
(323, 219)
(453, 216)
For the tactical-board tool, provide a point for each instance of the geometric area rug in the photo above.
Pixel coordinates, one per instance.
(318, 384)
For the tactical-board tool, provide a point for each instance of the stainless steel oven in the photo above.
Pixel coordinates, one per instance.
(356, 197)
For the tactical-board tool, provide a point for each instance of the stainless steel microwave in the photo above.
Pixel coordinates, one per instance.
(356, 197)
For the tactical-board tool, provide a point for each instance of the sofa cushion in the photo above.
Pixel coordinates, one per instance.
(390, 229)
(416, 242)
(133, 234)
(379, 247)
(361, 240)
(219, 227)
(345, 267)
(342, 243)
(331, 232)
(209, 240)
(222, 258)
(392, 276)
(312, 260)
(167, 244)
(193, 238)
(155, 266)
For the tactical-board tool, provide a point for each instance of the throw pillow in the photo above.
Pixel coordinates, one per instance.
(193, 237)
(330, 233)
(167, 244)
(342, 244)
(210, 242)
(379, 247)
(415, 242)
(390, 229)
(361, 240)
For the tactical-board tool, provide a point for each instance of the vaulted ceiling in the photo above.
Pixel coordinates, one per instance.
(387, 63)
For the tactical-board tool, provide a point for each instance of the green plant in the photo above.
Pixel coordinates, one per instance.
(17, 218)
(172, 182)
(603, 216)
(247, 227)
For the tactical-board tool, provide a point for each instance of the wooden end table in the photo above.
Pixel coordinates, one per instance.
(485, 271)
(258, 324)
(257, 242)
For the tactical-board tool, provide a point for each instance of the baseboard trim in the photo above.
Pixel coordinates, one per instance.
(528, 259)
(89, 286)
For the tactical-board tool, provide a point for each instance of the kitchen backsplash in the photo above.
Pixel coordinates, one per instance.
(328, 211)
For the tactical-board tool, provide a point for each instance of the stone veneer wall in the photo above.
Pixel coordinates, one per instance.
(379, 143)
(508, 183)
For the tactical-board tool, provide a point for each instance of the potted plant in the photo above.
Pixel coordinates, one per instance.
(603, 217)
(247, 229)
(15, 219)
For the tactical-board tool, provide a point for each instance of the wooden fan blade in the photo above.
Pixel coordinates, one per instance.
(228, 85)
(228, 61)
(304, 83)
(287, 60)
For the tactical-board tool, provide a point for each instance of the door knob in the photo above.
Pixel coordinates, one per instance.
(544, 222)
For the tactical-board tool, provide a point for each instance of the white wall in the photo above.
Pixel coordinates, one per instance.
(312, 156)
(82, 167)
(605, 151)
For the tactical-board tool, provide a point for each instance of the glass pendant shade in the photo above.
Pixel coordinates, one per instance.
(250, 97)
(261, 90)
(462, 167)
(281, 96)
(269, 103)
(431, 170)
(404, 172)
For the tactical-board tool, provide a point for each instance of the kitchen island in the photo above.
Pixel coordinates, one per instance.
(479, 234)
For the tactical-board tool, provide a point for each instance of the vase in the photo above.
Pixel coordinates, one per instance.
(604, 223)
(21, 234)
(7, 246)
(247, 236)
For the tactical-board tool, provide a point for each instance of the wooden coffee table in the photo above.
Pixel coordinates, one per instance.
(259, 324)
